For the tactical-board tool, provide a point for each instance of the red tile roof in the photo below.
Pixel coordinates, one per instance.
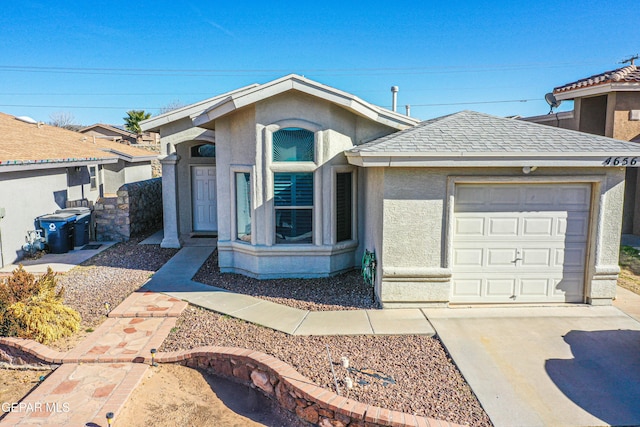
(628, 74)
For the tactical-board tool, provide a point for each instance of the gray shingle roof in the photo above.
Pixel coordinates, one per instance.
(469, 132)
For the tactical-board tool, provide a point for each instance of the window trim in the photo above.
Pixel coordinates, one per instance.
(233, 169)
(296, 207)
(334, 203)
(94, 181)
(270, 167)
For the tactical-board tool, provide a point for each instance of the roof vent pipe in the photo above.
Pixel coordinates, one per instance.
(408, 108)
(394, 98)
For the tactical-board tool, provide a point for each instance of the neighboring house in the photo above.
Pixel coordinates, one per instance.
(134, 164)
(118, 134)
(298, 179)
(112, 133)
(43, 168)
(606, 104)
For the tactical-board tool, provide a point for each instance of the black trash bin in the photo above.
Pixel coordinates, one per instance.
(58, 231)
(81, 226)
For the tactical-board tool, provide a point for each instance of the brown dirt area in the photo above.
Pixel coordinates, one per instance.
(15, 384)
(167, 397)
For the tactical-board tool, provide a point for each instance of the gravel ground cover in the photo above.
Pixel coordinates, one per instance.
(346, 291)
(412, 374)
(109, 277)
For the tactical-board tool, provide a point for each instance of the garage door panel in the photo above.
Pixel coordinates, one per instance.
(501, 257)
(574, 226)
(504, 196)
(537, 197)
(500, 287)
(468, 288)
(536, 258)
(571, 257)
(566, 287)
(468, 257)
(503, 226)
(471, 198)
(575, 198)
(521, 243)
(534, 287)
(542, 226)
(470, 226)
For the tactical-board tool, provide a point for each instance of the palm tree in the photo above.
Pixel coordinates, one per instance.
(133, 119)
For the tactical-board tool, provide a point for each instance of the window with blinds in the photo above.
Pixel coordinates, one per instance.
(293, 201)
(343, 207)
(293, 145)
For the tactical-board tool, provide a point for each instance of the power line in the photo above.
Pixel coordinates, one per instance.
(203, 94)
(325, 71)
(80, 107)
(156, 108)
(475, 102)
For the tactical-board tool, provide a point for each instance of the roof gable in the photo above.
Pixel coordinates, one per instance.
(109, 128)
(190, 111)
(468, 136)
(621, 79)
(235, 101)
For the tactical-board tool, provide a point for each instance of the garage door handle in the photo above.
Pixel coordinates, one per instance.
(517, 259)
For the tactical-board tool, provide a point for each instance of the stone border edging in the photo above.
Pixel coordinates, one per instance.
(277, 379)
(29, 352)
(291, 390)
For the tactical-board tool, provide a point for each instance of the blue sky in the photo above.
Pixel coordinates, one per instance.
(96, 60)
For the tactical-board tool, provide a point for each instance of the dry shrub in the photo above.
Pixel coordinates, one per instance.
(33, 308)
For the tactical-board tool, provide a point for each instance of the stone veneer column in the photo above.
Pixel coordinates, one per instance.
(169, 202)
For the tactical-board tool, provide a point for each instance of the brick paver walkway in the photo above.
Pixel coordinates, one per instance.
(99, 375)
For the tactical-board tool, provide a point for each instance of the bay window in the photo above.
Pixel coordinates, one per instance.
(293, 202)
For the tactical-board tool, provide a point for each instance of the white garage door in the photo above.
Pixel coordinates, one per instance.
(520, 243)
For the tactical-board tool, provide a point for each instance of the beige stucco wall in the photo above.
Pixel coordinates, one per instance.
(243, 144)
(371, 218)
(624, 128)
(113, 177)
(117, 174)
(413, 266)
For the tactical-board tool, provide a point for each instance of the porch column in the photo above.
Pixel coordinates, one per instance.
(169, 202)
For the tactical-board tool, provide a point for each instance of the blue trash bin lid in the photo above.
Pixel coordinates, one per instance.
(58, 217)
(76, 211)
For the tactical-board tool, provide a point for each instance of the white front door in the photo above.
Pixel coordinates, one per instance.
(203, 188)
(520, 243)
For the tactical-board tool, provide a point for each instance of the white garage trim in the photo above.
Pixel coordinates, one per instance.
(519, 240)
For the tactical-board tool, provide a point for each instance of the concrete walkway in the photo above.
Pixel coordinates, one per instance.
(60, 263)
(174, 279)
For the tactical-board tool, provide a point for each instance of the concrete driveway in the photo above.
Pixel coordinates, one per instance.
(547, 366)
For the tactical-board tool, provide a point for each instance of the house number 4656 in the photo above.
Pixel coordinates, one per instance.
(620, 161)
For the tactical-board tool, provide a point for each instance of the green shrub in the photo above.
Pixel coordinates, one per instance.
(33, 308)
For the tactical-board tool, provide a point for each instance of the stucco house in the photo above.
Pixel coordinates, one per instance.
(104, 131)
(43, 167)
(298, 179)
(606, 104)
